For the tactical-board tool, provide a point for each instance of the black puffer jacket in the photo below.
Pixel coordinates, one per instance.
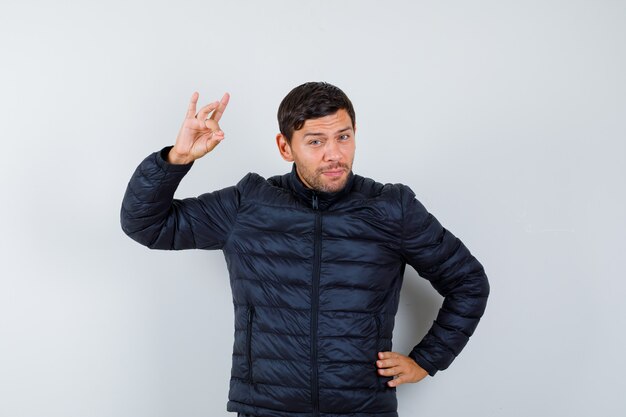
(315, 280)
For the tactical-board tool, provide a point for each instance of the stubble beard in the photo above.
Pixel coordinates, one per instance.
(316, 180)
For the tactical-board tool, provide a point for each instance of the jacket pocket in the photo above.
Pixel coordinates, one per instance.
(378, 334)
(381, 346)
(249, 342)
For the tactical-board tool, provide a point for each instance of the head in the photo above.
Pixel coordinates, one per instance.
(317, 132)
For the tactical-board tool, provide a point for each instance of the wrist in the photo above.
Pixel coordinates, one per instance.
(175, 158)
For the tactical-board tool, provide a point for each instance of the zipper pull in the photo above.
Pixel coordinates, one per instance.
(315, 202)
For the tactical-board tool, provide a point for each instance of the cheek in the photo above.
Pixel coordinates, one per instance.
(311, 157)
(348, 152)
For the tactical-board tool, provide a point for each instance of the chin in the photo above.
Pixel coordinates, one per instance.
(334, 186)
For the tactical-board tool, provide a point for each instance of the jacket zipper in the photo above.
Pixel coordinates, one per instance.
(249, 342)
(317, 236)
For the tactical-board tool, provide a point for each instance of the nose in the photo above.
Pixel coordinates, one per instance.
(332, 151)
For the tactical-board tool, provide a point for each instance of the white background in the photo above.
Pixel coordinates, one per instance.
(506, 118)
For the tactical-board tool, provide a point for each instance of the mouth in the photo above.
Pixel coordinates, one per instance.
(333, 173)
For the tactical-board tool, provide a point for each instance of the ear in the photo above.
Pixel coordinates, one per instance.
(284, 148)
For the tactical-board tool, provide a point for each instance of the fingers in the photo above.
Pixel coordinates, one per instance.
(388, 355)
(216, 138)
(402, 368)
(191, 110)
(393, 371)
(389, 359)
(402, 379)
(217, 107)
(204, 112)
(212, 126)
(388, 364)
(217, 114)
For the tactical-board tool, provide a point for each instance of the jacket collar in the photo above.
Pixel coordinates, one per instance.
(308, 196)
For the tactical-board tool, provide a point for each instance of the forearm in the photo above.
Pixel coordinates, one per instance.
(465, 297)
(437, 255)
(148, 203)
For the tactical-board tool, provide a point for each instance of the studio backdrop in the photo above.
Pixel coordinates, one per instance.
(505, 117)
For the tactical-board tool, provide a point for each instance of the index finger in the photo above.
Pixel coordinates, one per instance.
(217, 114)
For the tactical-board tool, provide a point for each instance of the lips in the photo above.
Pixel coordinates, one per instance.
(334, 172)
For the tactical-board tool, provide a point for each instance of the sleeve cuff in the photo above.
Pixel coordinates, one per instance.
(161, 159)
(428, 367)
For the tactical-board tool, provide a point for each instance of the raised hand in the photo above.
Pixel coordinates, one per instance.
(402, 368)
(200, 133)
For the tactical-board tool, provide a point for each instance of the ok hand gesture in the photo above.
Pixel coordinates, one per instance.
(200, 133)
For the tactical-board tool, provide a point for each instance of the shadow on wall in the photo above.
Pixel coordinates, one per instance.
(419, 305)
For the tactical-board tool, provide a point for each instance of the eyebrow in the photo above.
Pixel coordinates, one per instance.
(345, 129)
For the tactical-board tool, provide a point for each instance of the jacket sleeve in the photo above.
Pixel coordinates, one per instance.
(151, 216)
(440, 257)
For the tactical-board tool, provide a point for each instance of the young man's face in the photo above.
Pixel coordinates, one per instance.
(323, 151)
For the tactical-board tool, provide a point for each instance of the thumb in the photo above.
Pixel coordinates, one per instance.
(213, 140)
(212, 125)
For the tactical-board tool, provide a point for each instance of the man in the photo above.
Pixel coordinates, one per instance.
(316, 259)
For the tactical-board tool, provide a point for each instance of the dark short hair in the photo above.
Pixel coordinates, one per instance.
(311, 100)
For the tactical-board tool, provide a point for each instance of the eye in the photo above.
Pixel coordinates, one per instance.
(344, 137)
(315, 142)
